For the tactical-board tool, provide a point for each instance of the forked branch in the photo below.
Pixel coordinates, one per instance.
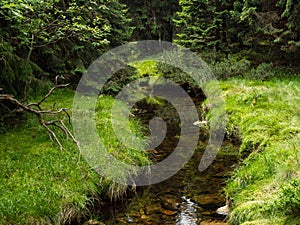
(36, 109)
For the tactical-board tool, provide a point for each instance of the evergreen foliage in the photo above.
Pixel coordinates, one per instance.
(55, 36)
(152, 19)
(264, 30)
(243, 40)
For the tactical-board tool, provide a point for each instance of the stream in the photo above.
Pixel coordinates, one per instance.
(187, 198)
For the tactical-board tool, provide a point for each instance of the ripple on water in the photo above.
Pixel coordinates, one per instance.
(188, 212)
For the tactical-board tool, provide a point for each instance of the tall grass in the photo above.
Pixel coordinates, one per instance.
(265, 188)
(39, 184)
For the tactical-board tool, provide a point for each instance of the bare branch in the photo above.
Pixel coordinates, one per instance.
(70, 134)
(40, 113)
(50, 91)
(54, 136)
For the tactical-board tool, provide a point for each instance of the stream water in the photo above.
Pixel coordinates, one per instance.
(187, 198)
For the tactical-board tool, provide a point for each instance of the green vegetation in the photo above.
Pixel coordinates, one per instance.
(265, 189)
(245, 42)
(42, 185)
(262, 107)
(152, 20)
(40, 39)
(264, 31)
(146, 68)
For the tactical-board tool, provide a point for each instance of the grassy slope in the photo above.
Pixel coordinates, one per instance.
(265, 189)
(39, 184)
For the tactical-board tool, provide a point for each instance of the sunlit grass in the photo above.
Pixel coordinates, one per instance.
(266, 115)
(39, 184)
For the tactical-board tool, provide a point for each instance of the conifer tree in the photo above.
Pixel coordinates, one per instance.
(152, 19)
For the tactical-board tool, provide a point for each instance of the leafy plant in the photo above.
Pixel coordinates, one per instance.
(289, 197)
(231, 67)
(41, 38)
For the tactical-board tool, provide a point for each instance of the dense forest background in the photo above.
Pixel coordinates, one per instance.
(43, 39)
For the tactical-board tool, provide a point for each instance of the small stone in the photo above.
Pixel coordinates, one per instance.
(224, 210)
(153, 151)
(207, 213)
(93, 222)
(129, 219)
(169, 203)
(168, 212)
(209, 199)
(144, 217)
(213, 222)
(152, 209)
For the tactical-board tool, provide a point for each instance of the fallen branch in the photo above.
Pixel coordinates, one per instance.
(36, 109)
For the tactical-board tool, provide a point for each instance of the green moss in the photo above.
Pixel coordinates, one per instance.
(147, 67)
(265, 114)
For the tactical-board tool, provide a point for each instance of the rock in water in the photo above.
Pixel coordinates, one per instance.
(224, 210)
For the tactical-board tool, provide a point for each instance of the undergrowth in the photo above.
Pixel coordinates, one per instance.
(39, 184)
(265, 188)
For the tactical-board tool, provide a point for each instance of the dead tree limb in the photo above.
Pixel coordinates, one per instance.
(36, 109)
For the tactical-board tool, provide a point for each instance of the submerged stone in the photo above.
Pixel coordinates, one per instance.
(168, 212)
(152, 209)
(209, 199)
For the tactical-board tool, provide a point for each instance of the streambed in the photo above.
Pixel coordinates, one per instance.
(187, 198)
